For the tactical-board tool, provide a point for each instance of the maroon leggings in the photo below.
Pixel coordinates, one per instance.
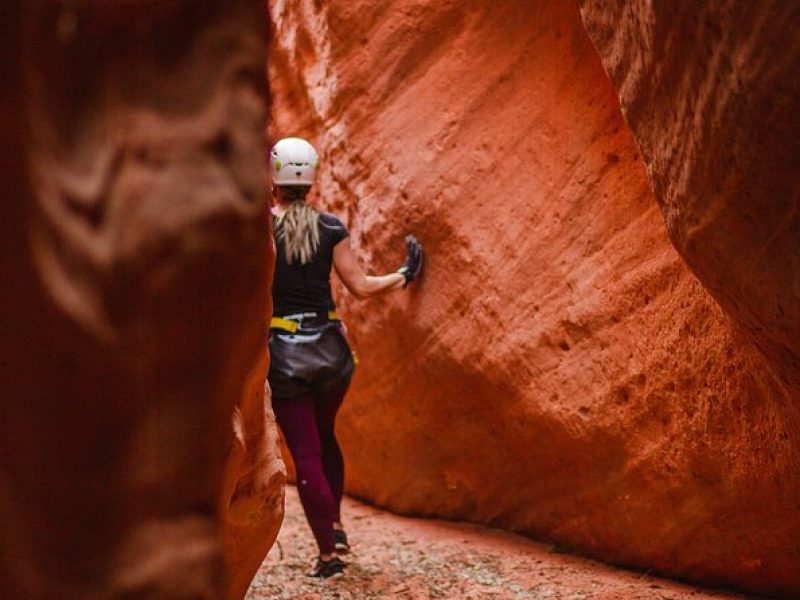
(307, 423)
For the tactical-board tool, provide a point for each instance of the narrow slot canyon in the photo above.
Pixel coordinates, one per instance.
(593, 391)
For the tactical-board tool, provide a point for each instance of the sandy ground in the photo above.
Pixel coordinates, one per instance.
(399, 557)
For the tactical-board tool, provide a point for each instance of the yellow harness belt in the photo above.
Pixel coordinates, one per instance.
(292, 326)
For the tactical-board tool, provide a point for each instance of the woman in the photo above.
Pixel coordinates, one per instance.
(311, 363)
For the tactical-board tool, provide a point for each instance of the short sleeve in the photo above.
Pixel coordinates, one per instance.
(334, 227)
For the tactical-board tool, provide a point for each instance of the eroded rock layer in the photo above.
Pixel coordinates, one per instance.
(710, 90)
(558, 370)
(135, 271)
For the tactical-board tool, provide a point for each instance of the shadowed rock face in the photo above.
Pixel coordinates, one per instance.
(711, 92)
(135, 271)
(559, 370)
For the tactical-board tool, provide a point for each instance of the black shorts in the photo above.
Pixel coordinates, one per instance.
(313, 360)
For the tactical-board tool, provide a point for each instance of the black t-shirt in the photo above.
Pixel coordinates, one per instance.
(305, 288)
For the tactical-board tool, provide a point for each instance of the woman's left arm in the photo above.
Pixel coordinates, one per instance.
(356, 280)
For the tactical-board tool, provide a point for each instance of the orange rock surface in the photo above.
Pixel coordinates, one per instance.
(135, 283)
(559, 370)
(710, 91)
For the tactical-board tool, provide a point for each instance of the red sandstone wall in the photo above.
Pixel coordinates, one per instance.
(135, 282)
(559, 371)
(711, 92)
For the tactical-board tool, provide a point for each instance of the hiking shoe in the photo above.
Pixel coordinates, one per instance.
(327, 568)
(341, 540)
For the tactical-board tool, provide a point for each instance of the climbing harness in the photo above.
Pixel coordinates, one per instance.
(293, 323)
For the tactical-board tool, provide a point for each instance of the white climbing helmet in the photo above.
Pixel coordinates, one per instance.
(294, 162)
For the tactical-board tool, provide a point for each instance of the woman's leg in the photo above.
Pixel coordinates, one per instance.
(327, 406)
(297, 420)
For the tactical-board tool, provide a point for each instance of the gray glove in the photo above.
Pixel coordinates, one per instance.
(414, 256)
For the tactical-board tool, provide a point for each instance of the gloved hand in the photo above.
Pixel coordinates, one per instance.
(414, 256)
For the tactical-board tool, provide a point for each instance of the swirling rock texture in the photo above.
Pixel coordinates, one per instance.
(135, 272)
(559, 370)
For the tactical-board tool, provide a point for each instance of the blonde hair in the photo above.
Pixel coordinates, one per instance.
(298, 227)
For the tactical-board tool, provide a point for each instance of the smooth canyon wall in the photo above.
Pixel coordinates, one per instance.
(137, 456)
(558, 370)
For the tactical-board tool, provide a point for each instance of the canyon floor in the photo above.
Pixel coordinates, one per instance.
(401, 557)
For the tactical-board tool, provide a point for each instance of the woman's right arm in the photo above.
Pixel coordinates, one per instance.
(355, 280)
